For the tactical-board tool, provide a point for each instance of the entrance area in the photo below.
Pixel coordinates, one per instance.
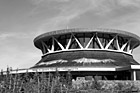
(111, 75)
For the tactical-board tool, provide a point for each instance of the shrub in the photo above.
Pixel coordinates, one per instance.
(56, 83)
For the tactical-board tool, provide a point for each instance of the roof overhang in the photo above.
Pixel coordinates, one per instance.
(131, 67)
(64, 69)
(135, 67)
(38, 40)
(86, 30)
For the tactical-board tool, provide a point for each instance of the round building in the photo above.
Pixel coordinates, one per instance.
(106, 53)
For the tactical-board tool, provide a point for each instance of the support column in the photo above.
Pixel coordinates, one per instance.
(133, 75)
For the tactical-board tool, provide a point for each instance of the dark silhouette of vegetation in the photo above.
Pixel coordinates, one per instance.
(41, 82)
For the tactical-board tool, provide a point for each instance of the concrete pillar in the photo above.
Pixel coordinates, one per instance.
(133, 75)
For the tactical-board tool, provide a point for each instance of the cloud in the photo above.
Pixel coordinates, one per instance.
(36, 2)
(19, 59)
(6, 35)
(17, 35)
(129, 22)
(18, 54)
(74, 9)
(58, 22)
(68, 13)
(135, 3)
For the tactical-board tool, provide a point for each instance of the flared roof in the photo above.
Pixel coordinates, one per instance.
(44, 36)
(86, 59)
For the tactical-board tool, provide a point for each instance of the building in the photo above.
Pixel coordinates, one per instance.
(106, 53)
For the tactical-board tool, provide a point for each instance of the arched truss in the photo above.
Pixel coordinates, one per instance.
(87, 41)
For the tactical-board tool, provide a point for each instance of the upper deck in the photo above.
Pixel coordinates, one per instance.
(87, 39)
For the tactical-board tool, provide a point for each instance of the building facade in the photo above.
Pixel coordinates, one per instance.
(106, 53)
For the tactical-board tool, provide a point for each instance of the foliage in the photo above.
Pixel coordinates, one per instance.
(56, 83)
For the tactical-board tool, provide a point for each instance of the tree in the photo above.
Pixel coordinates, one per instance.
(69, 79)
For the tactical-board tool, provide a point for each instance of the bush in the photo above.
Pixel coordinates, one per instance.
(56, 83)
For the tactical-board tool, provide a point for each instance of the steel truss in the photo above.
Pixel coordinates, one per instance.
(87, 41)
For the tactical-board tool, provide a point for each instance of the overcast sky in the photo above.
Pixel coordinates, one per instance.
(22, 20)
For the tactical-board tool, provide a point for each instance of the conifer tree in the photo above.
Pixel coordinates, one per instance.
(69, 79)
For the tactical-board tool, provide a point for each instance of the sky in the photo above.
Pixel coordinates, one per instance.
(22, 20)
